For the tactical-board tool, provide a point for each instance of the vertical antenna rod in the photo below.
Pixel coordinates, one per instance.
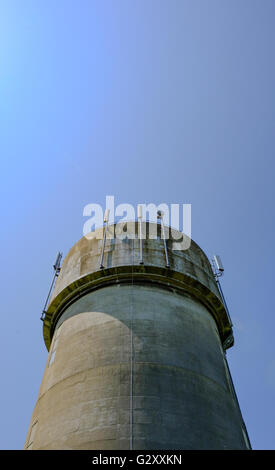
(160, 216)
(106, 219)
(218, 270)
(56, 268)
(224, 302)
(140, 234)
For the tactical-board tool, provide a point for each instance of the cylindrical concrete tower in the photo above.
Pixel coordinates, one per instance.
(136, 350)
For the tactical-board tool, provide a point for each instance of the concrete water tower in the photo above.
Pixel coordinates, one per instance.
(136, 333)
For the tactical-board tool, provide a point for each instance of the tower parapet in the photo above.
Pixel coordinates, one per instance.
(136, 349)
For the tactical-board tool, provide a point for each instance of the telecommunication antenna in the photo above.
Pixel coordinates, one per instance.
(160, 216)
(106, 220)
(140, 234)
(218, 271)
(56, 267)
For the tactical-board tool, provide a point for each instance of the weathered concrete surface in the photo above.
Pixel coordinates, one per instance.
(189, 270)
(136, 360)
(84, 257)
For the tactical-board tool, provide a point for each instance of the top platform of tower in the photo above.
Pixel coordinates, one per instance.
(189, 272)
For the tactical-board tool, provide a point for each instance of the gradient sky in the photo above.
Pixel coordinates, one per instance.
(150, 101)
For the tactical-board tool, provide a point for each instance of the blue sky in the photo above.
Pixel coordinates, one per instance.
(149, 101)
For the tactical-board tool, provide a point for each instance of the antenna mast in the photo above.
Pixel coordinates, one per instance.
(218, 271)
(56, 268)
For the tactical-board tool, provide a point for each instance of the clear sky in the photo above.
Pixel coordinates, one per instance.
(150, 101)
